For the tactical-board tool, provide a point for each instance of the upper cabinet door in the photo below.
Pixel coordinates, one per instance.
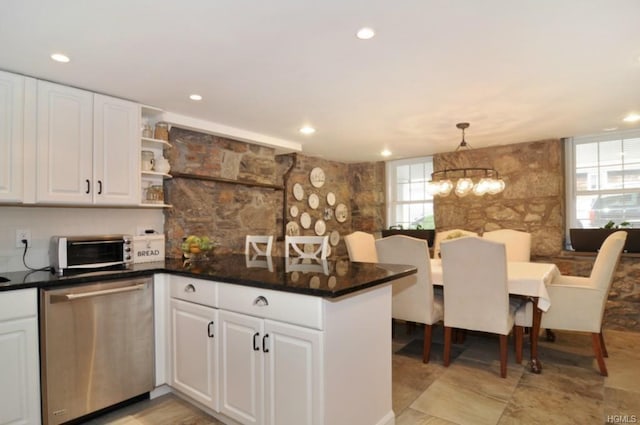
(64, 145)
(11, 136)
(116, 151)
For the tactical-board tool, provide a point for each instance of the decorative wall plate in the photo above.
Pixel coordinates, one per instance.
(293, 211)
(320, 227)
(295, 276)
(331, 198)
(334, 238)
(305, 220)
(314, 201)
(298, 191)
(341, 213)
(317, 177)
(293, 229)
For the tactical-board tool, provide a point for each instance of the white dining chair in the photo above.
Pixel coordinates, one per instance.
(446, 235)
(476, 293)
(361, 246)
(578, 303)
(518, 243)
(413, 296)
(258, 244)
(306, 246)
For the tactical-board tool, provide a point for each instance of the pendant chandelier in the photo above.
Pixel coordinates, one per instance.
(463, 181)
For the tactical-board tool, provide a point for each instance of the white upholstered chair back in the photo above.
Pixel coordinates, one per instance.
(306, 246)
(361, 246)
(258, 245)
(607, 260)
(518, 243)
(442, 236)
(476, 295)
(412, 295)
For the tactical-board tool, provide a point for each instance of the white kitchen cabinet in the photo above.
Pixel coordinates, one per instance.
(284, 358)
(19, 368)
(270, 371)
(11, 136)
(116, 154)
(293, 375)
(194, 355)
(194, 340)
(86, 147)
(241, 367)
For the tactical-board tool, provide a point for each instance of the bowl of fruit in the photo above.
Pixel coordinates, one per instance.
(196, 247)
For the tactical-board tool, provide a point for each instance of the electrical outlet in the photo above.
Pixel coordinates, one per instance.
(23, 234)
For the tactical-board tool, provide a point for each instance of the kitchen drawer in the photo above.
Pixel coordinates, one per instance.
(198, 291)
(297, 309)
(18, 304)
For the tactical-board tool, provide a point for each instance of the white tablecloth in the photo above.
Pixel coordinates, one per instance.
(530, 279)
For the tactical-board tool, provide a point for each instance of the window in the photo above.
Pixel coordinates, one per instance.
(409, 205)
(603, 179)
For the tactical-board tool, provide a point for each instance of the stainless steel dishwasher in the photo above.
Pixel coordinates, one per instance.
(96, 346)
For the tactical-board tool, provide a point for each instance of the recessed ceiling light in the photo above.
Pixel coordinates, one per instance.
(307, 130)
(195, 97)
(365, 33)
(385, 152)
(631, 118)
(59, 57)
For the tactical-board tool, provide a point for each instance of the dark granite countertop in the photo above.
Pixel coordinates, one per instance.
(323, 278)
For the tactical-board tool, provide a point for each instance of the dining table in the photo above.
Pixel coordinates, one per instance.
(526, 279)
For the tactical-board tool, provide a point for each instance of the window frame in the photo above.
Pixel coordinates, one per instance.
(572, 192)
(392, 186)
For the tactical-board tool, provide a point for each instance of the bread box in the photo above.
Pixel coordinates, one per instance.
(148, 248)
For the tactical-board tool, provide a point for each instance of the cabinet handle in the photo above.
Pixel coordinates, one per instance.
(189, 288)
(255, 342)
(88, 186)
(260, 301)
(209, 330)
(99, 187)
(264, 343)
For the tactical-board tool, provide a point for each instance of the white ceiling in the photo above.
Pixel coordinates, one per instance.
(518, 71)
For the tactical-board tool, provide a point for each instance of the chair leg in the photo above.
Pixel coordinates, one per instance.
(447, 345)
(595, 338)
(504, 349)
(426, 349)
(604, 347)
(519, 334)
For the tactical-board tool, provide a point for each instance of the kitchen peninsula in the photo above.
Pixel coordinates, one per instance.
(267, 340)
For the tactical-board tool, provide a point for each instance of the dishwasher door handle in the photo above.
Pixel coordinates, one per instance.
(81, 295)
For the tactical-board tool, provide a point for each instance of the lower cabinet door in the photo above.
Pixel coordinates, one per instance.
(293, 375)
(19, 380)
(241, 367)
(194, 345)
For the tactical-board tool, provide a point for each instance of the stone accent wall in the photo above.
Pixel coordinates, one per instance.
(533, 200)
(368, 203)
(225, 212)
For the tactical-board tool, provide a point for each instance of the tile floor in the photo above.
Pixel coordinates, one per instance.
(470, 391)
